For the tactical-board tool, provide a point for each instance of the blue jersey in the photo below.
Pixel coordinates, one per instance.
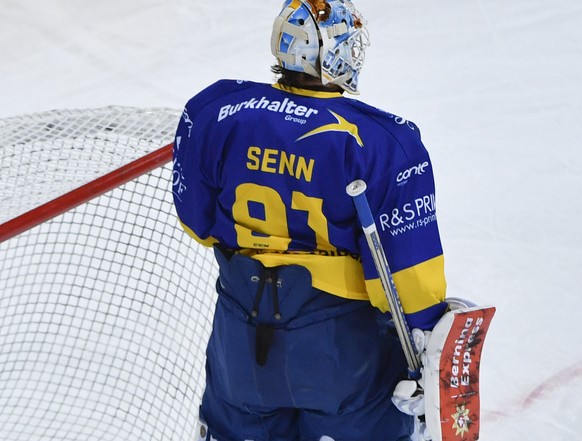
(263, 169)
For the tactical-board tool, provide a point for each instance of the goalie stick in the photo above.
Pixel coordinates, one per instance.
(453, 355)
(357, 191)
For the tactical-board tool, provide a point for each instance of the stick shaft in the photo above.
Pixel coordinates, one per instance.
(357, 191)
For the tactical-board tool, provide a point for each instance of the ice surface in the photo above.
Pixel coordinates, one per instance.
(496, 88)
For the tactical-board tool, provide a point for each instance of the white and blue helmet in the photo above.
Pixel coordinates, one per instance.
(326, 39)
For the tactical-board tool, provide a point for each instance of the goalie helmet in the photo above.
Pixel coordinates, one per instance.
(326, 39)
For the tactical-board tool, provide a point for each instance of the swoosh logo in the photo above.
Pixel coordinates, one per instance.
(342, 125)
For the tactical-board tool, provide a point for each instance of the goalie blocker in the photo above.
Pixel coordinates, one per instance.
(451, 372)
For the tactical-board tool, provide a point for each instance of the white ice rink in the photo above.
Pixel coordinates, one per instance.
(496, 88)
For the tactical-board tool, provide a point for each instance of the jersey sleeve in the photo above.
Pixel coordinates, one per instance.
(193, 191)
(197, 162)
(402, 197)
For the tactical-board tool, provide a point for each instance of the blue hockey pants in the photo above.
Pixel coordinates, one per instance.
(287, 362)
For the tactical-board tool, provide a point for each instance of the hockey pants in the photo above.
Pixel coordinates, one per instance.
(287, 362)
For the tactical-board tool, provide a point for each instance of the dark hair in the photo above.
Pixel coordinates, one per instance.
(301, 80)
(289, 78)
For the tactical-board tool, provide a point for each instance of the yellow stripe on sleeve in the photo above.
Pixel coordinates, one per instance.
(208, 242)
(419, 287)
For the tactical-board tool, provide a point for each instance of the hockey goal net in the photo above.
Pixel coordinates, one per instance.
(105, 304)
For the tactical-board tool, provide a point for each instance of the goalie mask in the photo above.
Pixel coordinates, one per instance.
(326, 39)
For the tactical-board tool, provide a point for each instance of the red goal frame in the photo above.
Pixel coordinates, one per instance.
(86, 192)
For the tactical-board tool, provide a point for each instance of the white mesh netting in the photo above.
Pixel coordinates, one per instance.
(104, 310)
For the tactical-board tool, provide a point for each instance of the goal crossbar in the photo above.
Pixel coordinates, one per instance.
(86, 192)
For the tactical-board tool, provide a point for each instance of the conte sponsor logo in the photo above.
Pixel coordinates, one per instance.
(417, 170)
(287, 107)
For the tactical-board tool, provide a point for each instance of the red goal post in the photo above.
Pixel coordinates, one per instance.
(105, 304)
